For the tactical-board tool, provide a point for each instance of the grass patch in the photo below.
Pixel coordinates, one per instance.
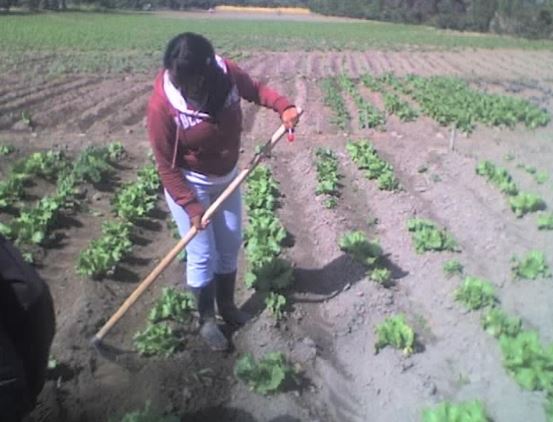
(130, 42)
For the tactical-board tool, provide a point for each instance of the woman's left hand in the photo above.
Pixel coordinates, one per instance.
(290, 117)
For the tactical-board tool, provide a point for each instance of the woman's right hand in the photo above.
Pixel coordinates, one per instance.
(196, 221)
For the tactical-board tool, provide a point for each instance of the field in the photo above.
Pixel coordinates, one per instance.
(378, 152)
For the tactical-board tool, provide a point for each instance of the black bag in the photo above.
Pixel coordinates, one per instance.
(27, 326)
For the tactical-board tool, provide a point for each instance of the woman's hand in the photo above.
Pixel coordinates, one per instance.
(196, 221)
(290, 117)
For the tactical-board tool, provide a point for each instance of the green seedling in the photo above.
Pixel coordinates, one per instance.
(266, 376)
(497, 176)
(470, 411)
(531, 266)
(497, 323)
(174, 304)
(366, 158)
(360, 248)
(528, 361)
(334, 100)
(524, 203)
(394, 105)
(453, 267)
(395, 332)
(6, 150)
(382, 276)
(427, 237)
(275, 304)
(103, 254)
(156, 340)
(270, 274)
(146, 415)
(327, 176)
(475, 293)
(545, 221)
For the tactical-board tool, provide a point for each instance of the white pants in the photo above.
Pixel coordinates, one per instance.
(215, 249)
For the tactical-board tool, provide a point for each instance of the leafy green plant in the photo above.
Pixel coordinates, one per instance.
(453, 267)
(369, 115)
(394, 105)
(333, 99)
(6, 150)
(34, 224)
(262, 190)
(531, 266)
(146, 415)
(103, 254)
(327, 176)
(276, 303)
(427, 237)
(527, 361)
(43, 164)
(451, 101)
(475, 293)
(174, 304)
(395, 332)
(263, 235)
(134, 201)
(497, 176)
(115, 151)
(382, 276)
(497, 323)
(545, 221)
(11, 191)
(360, 248)
(156, 340)
(372, 83)
(269, 274)
(470, 411)
(366, 158)
(267, 375)
(524, 203)
(92, 165)
(541, 177)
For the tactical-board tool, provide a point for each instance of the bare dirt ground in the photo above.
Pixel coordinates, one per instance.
(330, 329)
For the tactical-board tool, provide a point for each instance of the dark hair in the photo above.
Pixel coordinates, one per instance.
(189, 55)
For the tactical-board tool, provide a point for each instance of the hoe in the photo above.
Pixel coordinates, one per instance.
(164, 263)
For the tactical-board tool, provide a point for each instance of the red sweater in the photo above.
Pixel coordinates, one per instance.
(207, 148)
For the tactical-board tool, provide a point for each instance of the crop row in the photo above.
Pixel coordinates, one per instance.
(333, 99)
(328, 177)
(392, 102)
(450, 101)
(521, 202)
(524, 357)
(365, 156)
(34, 224)
(369, 115)
(263, 239)
(174, 307)
(132, 202)
(46, 165)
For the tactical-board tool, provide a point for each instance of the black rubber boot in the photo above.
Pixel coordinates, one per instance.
(209, 331)
(225, 300)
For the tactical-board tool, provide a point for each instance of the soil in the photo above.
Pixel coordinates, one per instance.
(329, 330)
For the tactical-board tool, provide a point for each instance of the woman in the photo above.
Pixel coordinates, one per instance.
(194, 125)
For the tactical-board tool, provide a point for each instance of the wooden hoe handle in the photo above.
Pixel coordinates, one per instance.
(167, 259)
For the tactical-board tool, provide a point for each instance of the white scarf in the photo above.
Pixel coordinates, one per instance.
(185, 116)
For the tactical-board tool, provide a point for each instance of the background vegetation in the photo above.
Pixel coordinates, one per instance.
(528, 18)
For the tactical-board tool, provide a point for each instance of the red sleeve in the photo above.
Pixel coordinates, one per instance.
(257, 92)
(162, 132)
